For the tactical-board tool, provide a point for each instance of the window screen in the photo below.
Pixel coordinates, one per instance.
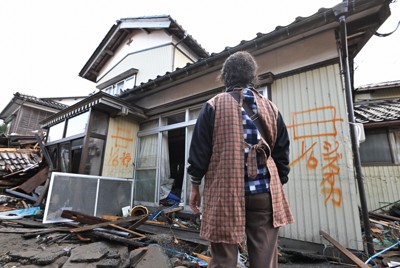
(93, 195)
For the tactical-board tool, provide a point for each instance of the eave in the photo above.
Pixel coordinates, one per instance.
(363, 19)
(101, 101)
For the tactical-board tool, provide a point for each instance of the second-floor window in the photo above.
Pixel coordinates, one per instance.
(121, 86)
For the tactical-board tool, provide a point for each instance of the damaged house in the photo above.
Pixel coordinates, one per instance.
(127, 144)
(19, 157)
(24, 113)
(377, 107)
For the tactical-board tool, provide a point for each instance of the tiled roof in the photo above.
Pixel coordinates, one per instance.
(44, 102)
(13, 160)
(377, 111)
(378, 86)
(321, 20)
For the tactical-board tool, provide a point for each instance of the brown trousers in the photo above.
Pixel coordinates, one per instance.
(262, 237)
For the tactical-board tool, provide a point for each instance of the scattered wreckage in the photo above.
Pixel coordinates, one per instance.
(140, 236)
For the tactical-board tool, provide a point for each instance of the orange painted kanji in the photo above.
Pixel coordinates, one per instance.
(122, 140)
(312, 161)
(331, 171)
(126, 159)
(304, 128)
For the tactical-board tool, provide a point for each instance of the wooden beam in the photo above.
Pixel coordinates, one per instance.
(104, 224)
(344, 250)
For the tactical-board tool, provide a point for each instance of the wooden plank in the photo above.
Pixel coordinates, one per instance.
(190, 235)
(81, 217)
(171, 210)
(88, 219)
(116, 238)
(385, 223)
(382, 216)
(128, 231)
(104, 224)
(344, 250)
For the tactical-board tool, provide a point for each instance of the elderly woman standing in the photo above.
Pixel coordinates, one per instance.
(240, 145)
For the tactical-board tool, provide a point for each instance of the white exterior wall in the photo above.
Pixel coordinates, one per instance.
(150, 63)
(180, 59)
(141, 41)
(151, 54)
(322, 187)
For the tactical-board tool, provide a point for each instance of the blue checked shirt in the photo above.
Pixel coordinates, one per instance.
(251, 135)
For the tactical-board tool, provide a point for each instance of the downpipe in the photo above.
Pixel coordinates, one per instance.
(353, 134)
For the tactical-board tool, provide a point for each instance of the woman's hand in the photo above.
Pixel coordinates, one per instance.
(195, 198)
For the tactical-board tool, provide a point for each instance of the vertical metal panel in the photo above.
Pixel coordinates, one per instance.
(322, 186)
(386, 94)
(381, 185)
(180, 59)
(120, 148)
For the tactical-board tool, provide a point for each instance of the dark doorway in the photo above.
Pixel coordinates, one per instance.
(176, 145)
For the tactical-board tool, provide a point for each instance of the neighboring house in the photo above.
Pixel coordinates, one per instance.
(143, 133)
(377, 107)
(23, 113)
(67, 100)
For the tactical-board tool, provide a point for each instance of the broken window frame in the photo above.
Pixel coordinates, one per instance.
(159, 131)
(90, 131)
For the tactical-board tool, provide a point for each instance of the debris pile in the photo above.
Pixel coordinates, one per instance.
(109, 241)
(164, 236)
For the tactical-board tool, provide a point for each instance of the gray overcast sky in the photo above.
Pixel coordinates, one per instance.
(45, 43)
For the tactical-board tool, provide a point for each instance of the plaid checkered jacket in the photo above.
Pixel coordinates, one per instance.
(223, 218)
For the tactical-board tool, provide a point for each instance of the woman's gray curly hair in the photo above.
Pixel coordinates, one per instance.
(239, 70)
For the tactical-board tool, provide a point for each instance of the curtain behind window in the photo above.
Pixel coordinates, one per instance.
(376, 148)
(145, 179)
(165, 171)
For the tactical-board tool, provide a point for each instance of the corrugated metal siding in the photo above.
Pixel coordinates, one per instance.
(386, 94)
(180, 59)
(120, 148)
(382, 185)
(322, 186)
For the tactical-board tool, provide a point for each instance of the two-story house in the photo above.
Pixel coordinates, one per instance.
(133, 136)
